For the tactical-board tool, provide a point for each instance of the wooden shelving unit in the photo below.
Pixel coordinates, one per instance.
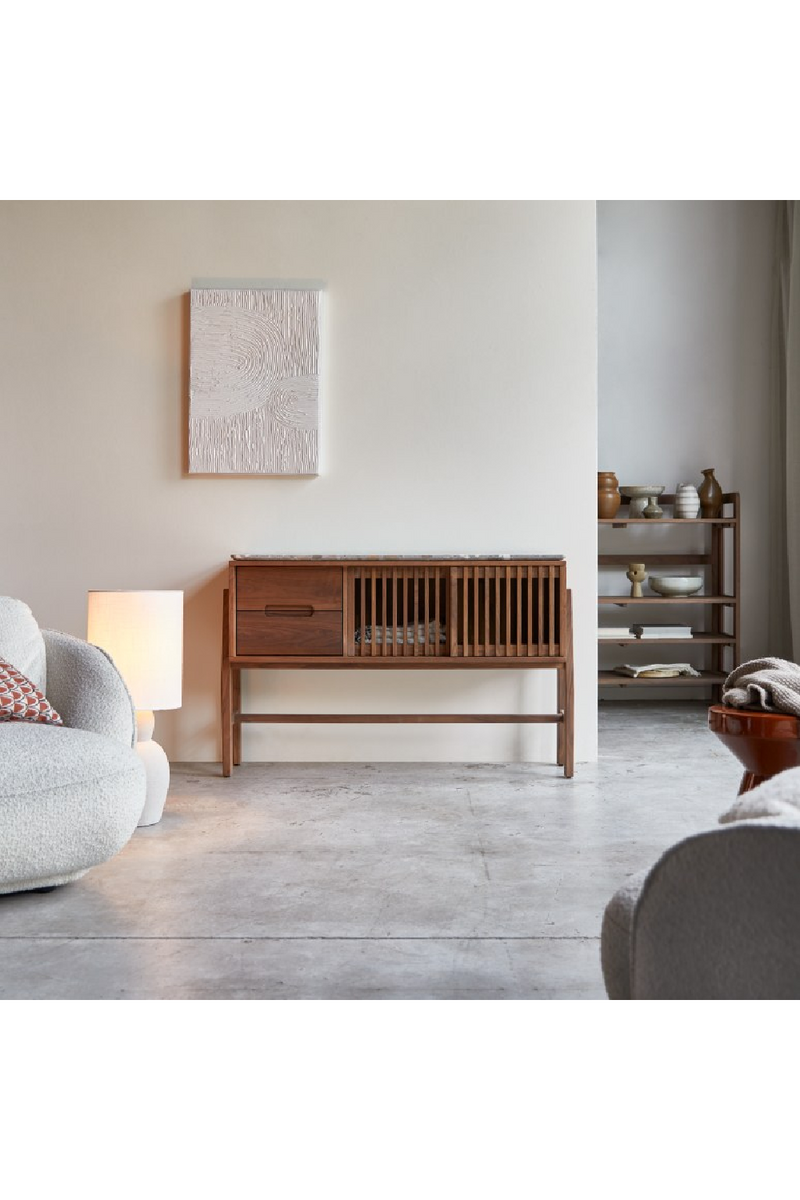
(714, 614)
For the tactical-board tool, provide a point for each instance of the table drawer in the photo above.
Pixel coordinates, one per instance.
(258, 587)
(293, 631)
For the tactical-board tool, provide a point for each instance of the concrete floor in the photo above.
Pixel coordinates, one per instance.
(375, 881)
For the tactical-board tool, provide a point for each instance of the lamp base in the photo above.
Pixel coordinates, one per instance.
(156, 765)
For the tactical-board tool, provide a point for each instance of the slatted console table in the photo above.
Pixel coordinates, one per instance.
(407, 612)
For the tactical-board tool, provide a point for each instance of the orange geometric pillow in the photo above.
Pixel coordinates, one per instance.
(20, 700)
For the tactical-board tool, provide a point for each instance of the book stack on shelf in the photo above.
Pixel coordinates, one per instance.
(615, 633)
(654, 631)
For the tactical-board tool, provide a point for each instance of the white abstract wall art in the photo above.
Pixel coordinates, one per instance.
(254, 381)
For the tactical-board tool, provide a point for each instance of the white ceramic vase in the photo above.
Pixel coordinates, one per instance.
(687, 502)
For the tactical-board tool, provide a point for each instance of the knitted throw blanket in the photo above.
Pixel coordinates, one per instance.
(772, 684)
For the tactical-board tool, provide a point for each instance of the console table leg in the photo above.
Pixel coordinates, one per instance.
(237, 708)
(225, 693)
(569, 697)
(560, 728)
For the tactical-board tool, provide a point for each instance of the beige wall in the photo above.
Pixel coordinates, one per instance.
(459, 393)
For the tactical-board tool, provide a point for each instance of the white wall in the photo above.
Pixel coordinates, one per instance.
(459, 389)
(684, 297)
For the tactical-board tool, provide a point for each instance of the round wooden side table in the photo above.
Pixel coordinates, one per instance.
(764, 742)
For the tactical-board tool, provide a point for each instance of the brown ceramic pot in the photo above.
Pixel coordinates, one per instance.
(608, 497)
(710, 494)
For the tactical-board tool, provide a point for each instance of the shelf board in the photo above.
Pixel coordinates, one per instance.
(620, 522)
(704, 639)
(620, 600)
(611, 679)
(623, 560)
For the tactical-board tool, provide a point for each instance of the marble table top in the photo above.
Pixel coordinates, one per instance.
(395, 557)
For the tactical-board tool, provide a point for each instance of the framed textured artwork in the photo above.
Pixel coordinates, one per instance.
(254, 380)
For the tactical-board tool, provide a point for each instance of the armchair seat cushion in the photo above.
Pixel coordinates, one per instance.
(69, 800)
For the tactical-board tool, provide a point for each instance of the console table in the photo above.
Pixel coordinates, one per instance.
(415, 612)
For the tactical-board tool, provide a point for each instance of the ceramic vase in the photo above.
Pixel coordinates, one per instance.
(652, 510)
(608, 497)
(637, 575)
(687, 502)
(710, 494)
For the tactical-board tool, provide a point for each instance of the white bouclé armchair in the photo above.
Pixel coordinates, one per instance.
(70, 795)
(716, 918)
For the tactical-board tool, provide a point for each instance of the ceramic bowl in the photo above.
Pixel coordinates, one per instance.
(639, 490)
(675, 585)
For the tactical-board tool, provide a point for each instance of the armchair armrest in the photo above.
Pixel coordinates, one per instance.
(85, 687)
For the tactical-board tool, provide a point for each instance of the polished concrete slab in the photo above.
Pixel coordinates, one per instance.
(388, 880)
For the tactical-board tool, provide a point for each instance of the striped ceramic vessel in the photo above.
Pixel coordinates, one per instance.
(687, 502)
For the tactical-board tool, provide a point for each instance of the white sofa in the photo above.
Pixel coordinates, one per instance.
(71, 795)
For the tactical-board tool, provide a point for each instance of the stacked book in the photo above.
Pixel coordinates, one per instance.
(614, 632)
(653, 632)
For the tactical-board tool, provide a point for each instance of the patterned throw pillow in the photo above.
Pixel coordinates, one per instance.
(20, 700)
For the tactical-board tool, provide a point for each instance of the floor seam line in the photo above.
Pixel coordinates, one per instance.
(257, 937)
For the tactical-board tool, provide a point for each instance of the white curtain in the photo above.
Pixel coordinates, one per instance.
(784, 612)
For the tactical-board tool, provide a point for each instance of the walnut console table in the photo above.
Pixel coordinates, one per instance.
(408, 612)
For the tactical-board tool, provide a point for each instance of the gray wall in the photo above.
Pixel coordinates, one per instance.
(684, 296)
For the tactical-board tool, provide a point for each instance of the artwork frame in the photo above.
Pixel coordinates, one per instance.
(254, 377)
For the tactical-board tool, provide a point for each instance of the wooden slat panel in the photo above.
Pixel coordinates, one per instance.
(508, 611)
(436, 616)
(476, 631)
(363, 590)
(452, 616)
(542, 582)
(552, 613)
(373, 606)
(407, 601)
(383, 594)
(468, 577)
(394, 613)
(496, 640)
(426, 584)
(530, 576)
(488, 648)
(519, 612)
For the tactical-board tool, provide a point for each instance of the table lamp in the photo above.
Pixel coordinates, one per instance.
(143, 633)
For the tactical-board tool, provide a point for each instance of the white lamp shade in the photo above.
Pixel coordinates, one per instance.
(143, 633)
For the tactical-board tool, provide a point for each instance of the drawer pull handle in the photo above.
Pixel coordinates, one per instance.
(301, 610)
